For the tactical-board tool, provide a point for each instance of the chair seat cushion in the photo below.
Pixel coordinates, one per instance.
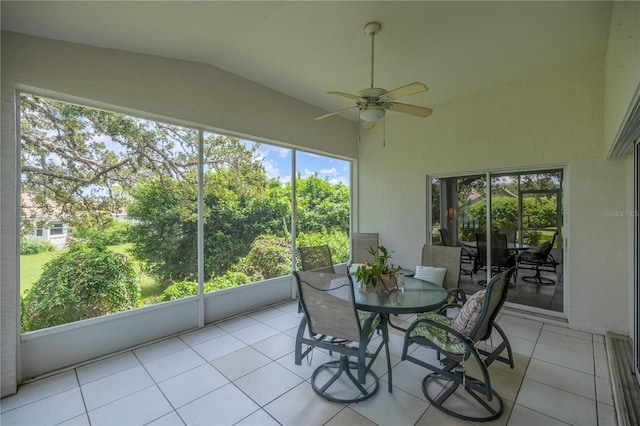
(431, 274)
(468, 315)
(363, 315)
(436, 335)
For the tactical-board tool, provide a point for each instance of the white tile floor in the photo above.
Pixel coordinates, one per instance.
(242, 372)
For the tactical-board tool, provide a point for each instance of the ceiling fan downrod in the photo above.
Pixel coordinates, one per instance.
(372, 29)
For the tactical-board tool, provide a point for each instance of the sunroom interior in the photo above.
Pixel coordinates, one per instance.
(574, 116)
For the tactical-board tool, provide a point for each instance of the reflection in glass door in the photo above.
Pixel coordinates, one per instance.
(458, 213)
(525, 230)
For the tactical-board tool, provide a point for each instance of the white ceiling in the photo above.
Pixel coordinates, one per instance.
(304, 49)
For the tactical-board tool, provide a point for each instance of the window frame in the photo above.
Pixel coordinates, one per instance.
(201, 131)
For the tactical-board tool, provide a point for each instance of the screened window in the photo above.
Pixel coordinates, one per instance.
(134, 195)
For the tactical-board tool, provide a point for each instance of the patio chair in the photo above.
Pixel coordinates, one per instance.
(540, 260)
(316, 258)
(468, 256)
(448, 258)
(330, 313)
(457, 341)
(501, 259)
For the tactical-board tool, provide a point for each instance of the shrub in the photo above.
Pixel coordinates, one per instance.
(34, 246)
(179, 290)
(183, 289)
(228, 280)
(269, 257)
(117, 233)
(87, 281)
(337, 241)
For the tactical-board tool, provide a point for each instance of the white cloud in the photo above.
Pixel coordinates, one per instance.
(332, 171)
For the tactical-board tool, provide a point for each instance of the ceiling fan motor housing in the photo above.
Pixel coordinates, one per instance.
(372, 28)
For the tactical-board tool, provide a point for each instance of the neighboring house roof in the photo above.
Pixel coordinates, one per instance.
(32, 209)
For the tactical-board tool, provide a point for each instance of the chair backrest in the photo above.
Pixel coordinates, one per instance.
(499, 250)
(495, 296)
(543, 250)
(444, 257)
(481, 244)
(541, 253)
(444, 236)
(328, 303)
(511, 233)
(316, 258)
(360, 243)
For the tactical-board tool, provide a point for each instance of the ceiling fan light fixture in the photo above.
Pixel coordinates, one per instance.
(372, 113)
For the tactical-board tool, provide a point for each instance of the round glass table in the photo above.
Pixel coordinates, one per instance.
(418, 296)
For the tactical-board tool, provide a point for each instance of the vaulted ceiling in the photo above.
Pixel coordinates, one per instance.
(306, 48)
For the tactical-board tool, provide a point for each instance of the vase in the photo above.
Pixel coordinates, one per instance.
(386, 282)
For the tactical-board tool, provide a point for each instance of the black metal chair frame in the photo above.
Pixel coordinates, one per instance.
(347, 346)
(540, 260)
(452, 368)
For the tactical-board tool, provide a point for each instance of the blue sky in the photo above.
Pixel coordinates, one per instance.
(277, 162)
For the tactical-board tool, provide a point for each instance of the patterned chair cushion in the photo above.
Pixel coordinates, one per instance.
(431, 274)
(363, 315)
(467, 318)
(436, 335)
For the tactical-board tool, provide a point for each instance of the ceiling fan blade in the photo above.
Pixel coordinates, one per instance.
(411, 109)
(409, 89)
(335, 112)
(346, 95)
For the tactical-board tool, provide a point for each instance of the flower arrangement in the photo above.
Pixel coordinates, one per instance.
(370, 272)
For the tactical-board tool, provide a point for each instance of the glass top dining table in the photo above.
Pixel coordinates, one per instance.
(418, 296)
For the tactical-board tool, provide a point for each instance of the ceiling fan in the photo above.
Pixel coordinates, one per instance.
(373, 102)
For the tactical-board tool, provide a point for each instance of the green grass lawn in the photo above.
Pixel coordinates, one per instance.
(31, 269)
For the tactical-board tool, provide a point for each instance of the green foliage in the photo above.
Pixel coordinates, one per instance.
(504, 213)
(322, 206)
(180, 290)
(34, 246)
(116, 233)
(269, 257)
(249, 224)
(87, 281)
(165, 233)
(337, 240)
(370, 272)
(537, 212)
(77, 159)
(230, 279)
(184, 289)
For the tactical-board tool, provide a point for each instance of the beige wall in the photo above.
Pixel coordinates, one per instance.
(552, 119)
(622, 69)
(158, 87)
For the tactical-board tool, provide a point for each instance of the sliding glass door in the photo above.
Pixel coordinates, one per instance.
(519, 213)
